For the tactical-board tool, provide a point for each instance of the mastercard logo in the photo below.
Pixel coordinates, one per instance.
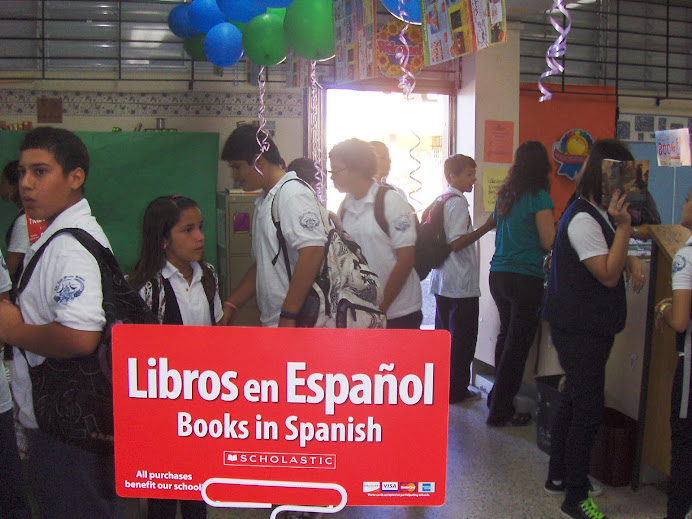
(407, 487)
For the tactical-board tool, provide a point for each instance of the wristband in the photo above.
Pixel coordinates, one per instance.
(230, 305)
(664, 306)
(285, 314)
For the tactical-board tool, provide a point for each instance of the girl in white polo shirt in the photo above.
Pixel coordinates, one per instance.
(179, 287)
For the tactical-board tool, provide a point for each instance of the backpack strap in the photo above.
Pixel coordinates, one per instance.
(101, 254)
(172, 313)
(379, 207)
(283, 249)
(209, 283)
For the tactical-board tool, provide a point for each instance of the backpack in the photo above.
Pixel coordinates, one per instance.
(345, 293)
(432, 248)
(164, 304)
(73, 397)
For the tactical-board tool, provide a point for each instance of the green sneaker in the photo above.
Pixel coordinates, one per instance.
(587, 509)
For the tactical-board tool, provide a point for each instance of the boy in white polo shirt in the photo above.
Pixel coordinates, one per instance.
(279, 299)
(455, 283)
(61, 317)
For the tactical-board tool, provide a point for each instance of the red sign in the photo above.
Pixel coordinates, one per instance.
(298, 417)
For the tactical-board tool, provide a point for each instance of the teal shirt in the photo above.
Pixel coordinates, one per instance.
(517, 243)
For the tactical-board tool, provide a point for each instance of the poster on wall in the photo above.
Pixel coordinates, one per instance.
(673, 147)
(296, 417)
(354, 34)
(499, 141)
(454, 28)
(390, 47)
(492, 180)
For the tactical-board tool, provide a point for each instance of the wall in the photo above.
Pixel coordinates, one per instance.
(208, 108)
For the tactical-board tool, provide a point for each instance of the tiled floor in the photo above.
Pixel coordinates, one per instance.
(494, 473)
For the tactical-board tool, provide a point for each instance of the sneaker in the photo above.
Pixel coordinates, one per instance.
(557, 487)
(469, 395)
(587, 509)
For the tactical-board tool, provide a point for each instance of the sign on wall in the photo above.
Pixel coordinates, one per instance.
(297, 417)
(673, 147)
(571, 152)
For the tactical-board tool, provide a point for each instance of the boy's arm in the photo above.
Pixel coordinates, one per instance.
(242, 294)
(405, 259)
(49, 340)
(307, 266)
(465, 240)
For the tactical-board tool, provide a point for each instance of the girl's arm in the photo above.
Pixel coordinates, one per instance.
(675, 312)
(546, 228)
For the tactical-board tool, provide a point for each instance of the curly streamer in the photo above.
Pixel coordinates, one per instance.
(263, 142)
(557, 49)
(316, 145)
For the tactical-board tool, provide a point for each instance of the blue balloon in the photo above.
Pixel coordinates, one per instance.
(241, 11)
(273, 3)
(179, 22)
(223, 44)
(411, 8)
(205, 14)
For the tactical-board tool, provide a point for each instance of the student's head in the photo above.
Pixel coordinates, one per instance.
(241, 149)
(352, 162)
(171, 231)
(590, 178)
(529, 173)
(306, 170)
(53, 166)
(384, 161)
(460, 172)
(9, 185)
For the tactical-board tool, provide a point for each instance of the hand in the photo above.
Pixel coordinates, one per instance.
(286, 323)
(10, 317)
(490, 223)
(660, 320)
(635, 273)
(618, 209)
(227, 316)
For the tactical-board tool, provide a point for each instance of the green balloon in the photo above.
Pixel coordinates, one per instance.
(309, 28)
(278, 11)
(263, 40)
(239, 25)
(195, 47)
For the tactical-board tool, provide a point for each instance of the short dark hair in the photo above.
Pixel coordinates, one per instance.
(357, 155)
(68, 150)
(590, 178)
(242, 145)
(458, 163)
(305, 169)
(11, 172)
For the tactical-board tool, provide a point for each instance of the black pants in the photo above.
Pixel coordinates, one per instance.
(680, 488)
(13, 502)
(518, 298)
(460, 317)
(166, 509)
(582, 401)
(410, 321)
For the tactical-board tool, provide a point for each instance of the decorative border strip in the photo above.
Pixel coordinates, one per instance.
(642, 127)
(182, 104)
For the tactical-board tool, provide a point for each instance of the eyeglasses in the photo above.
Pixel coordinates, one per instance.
(334, 172)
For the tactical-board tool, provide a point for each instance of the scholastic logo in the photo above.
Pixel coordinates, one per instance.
(426, 487)
(390, 486)
(279, 459)
(408, 487)
(371, 486)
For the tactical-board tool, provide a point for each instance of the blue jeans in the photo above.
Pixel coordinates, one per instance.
(69, 482)
(13, 502)
(460, 317)
(582, 402)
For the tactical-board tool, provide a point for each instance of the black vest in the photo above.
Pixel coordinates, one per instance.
(575, 300)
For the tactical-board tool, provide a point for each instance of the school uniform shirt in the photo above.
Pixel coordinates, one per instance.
(19, 239)
(301, 225)
(682, 267)
(192, 299)
(586, 236)
(5, 396)
(378, 248)
(64, 288)
(458, 277)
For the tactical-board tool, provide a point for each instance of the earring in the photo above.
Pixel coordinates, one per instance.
(165, 246)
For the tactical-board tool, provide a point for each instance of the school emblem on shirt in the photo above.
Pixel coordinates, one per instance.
(402, 223)
(309, 220)
(679, 263)
(68, 289)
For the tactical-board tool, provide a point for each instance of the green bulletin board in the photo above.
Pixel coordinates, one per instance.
(128, 170)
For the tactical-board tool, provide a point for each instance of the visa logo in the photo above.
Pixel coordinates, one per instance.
(428, 487)
(390, 486)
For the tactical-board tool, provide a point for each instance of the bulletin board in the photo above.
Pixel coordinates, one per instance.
(127, 171)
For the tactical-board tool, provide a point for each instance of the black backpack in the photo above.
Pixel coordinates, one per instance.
(73, 398)
(432, 248)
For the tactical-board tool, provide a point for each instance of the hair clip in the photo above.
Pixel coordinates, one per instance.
(173, 197)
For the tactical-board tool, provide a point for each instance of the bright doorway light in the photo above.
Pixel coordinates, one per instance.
(392, 119)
